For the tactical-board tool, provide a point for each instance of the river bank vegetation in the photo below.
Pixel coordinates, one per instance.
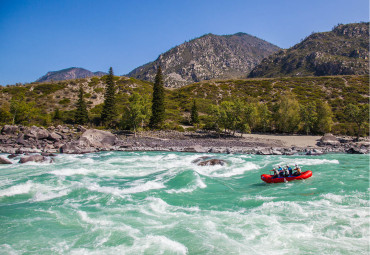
(305, 105)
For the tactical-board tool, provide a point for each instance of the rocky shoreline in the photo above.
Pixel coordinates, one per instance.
(76, 140)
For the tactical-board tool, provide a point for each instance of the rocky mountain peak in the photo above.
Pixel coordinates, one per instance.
(68, 74)
(207, 57)
(353, 30)
(342, 51)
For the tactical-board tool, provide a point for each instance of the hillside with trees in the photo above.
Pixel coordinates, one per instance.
(306, 105)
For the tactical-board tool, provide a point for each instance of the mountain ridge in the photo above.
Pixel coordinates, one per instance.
(207, 57)
(341, 51)
(68, 74)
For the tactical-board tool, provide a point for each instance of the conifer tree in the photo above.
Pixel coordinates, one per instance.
(81, 115)
(194, 117)
(109, 106)
(56, 114)
(158, 108)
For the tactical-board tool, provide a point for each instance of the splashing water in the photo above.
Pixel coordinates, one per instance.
(162, 203)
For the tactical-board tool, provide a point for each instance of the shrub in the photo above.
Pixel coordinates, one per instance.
(64, 101)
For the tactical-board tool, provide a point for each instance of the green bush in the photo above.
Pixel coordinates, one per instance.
(64, 101)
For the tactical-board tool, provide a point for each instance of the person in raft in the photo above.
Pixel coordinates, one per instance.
(298, 170)
(290, 170)
(281, 171)
(276, 173)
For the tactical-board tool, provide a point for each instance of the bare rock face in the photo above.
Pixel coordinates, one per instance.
(207, 57)
(68, 73)
(342, 51)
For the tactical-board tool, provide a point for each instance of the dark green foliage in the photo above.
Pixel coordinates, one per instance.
(46, 89)
(136, 113)
(5, 116)
(359, 115)
(158, 108)
(109, 108)
(308, 116)
(81, 114)
(64, 101)
(194, 116)
(330, 94)
(57, 115)
(24, 112)
(287, 114)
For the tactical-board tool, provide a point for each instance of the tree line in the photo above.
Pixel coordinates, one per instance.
(286, 115)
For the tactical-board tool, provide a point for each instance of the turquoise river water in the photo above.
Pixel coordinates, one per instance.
(162, 203)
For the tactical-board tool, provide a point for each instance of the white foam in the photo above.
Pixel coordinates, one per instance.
(70, 172)
(86, 218)
(225, 171)
(157, 244)
(48, 194)
(23, 188)
(308, 161)
(150, 185)
(198, 184)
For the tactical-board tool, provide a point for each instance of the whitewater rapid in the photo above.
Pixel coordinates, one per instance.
(162, 203)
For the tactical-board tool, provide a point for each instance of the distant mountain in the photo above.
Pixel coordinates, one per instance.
(208, 57)
(342, 51)
(68, 74)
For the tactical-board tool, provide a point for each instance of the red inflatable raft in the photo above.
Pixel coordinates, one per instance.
(270, 178)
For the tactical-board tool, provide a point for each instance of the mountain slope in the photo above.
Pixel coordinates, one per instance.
(342, 51)
(68, 74)
(208, 57)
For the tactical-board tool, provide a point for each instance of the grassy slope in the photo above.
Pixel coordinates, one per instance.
(336, 90)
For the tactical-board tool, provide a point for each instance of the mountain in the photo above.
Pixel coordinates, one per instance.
(208, 57)
(68, 74)
(342, 51)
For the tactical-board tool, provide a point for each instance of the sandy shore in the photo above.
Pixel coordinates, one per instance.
(285, 140)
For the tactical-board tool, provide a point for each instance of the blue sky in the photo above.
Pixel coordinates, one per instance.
(37, 36)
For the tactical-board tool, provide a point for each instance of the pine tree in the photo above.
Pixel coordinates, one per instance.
(109, 107)
(158, 109)
(194, 117)
(81, 115)
(56, 114)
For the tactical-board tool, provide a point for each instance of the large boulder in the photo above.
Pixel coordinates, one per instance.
(212, 162)
(54, 136)
(197, 160)
(75, 148)
(354, 150)
(20, 140)
(5, 161)
(329, 139)
(9, 130)
(98, 138)
(37, 133)
(32, 158)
